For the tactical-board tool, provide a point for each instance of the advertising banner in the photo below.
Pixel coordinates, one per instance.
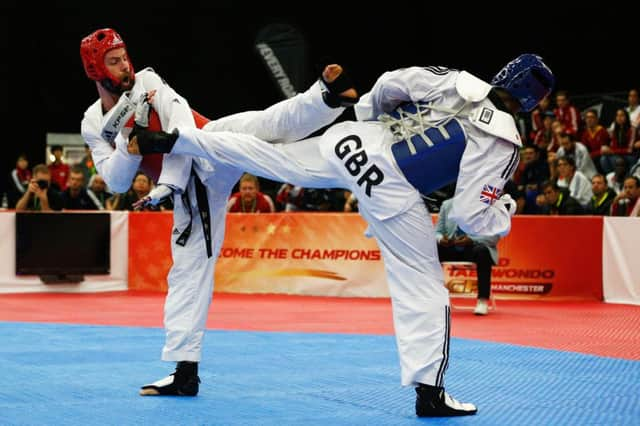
(327, 254)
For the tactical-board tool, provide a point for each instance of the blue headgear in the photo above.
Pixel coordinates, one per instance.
(527, 79)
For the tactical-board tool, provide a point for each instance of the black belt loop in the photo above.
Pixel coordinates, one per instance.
(203, 210)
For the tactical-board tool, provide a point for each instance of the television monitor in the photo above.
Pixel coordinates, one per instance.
(60, 245)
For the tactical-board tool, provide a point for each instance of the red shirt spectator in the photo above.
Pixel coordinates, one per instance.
(622, 134)
(59, 171)
(249, 199)
(568, 114)
(594, 135)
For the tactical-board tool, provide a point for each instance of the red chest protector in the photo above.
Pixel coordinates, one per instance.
(152, 164)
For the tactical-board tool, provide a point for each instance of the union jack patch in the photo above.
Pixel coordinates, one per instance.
(490, 194)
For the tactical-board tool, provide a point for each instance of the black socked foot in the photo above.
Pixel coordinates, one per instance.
(151, 142)
(183, 382)
(433, 401)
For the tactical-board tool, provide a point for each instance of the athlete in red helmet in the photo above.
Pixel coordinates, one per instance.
(200, 191)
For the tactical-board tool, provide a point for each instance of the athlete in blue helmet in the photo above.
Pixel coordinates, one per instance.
(527, 79)
(418, 129)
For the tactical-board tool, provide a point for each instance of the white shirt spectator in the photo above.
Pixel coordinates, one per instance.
(579, 187)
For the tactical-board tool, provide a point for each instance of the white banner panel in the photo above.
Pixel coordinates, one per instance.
(621, 268)
(116, 280)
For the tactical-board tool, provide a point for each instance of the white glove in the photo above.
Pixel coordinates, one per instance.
(509, 204)
(117, 117)
(143, 108)
(154, 197)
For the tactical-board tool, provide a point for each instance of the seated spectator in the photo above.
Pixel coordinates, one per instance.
(536, 171)
(615, 179)
(622, 137)
(249, 199)
(577, 183)
(297, 198)
(288, 197)
(40, 195)
(18, 181)
(603, 196)
(595, 137)
(75, 197)
(518, 195)
(59, 171)
(538, 115)
(568, 114)
(557, 201)
(545, 138)
(628, 200)
(98, 191)
(140, 188)
(633, 108)
(570, 148)
(455, 245)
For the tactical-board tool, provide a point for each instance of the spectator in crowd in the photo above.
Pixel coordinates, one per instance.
(557, 201)
(456, 245)
(98, 191)
(603, 196)
(633, 108)
(568, 114)
(545, 138)
(538, 115)
(140, 188)
(615, 179)
(627, 201)
(86, 164)
(595, 137)
(557, 127)
(536, 171)
(570, 148)
(578, 184)
(622, 138)
(59, 171)
(288, 197)
(516, 194)
(552, 163)
(249, 199)
(75, 197)
(18, 181)
(40, 194)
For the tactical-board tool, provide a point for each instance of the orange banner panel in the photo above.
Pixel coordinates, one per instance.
(300, 253)
(149, 250)
(543, 257)
(328, 254)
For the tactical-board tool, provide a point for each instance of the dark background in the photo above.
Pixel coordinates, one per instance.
(206, 53)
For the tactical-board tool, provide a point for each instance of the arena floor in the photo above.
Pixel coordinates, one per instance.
(80, 359)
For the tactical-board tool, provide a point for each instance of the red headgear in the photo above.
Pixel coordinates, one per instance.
(92, 50)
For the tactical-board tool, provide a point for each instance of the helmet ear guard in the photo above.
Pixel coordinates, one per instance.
(527, 79)
(92, 51)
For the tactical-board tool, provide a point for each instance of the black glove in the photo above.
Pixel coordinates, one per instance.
(331, 91)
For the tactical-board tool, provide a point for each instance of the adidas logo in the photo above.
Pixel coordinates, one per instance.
(116, 40)
(176, 231)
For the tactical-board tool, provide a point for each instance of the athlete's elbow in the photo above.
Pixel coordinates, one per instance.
(481, 222)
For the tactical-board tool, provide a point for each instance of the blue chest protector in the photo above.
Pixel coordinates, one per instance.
(429, 159)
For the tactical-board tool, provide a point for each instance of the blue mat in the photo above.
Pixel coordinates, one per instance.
(87, 375)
